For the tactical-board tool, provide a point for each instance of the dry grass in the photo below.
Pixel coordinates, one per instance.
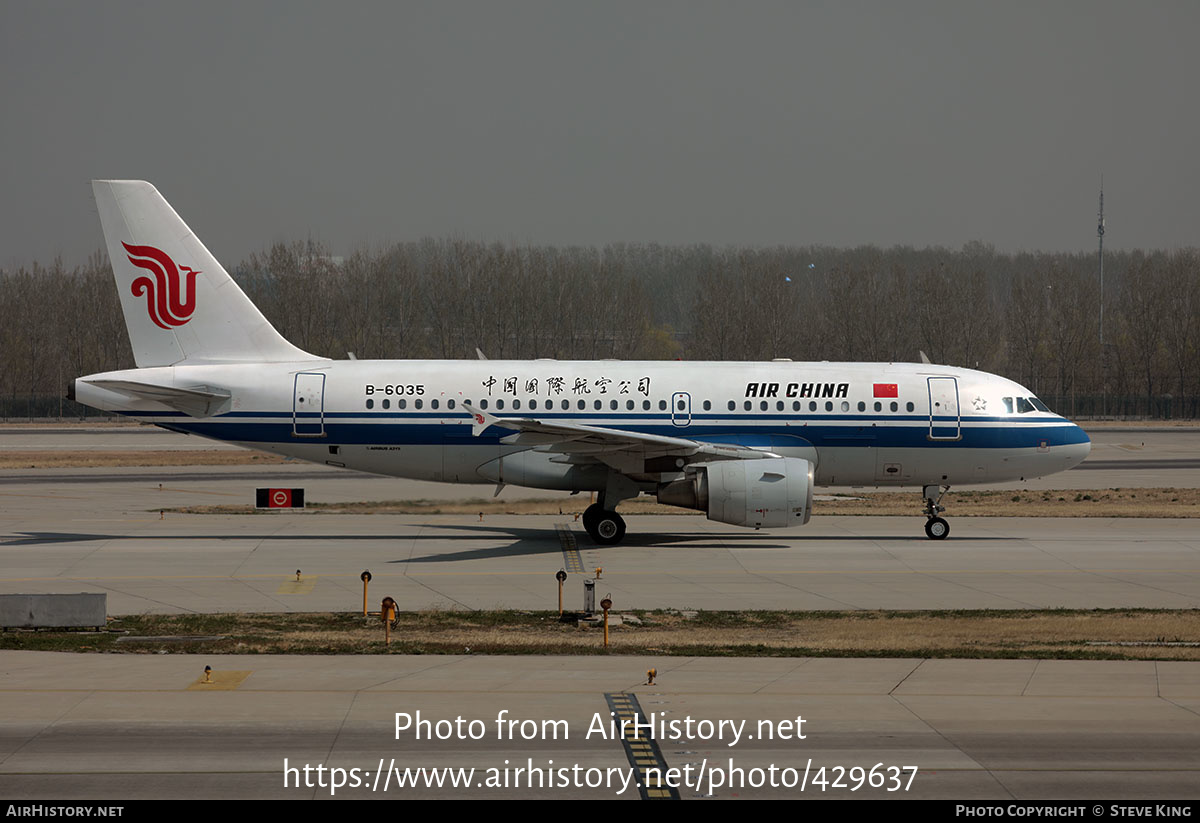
(983, 634)
(1151, 502)
(52, 459)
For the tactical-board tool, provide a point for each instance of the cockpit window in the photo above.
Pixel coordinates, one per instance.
(1024, 406)
(1039, 405)
(1008, 406)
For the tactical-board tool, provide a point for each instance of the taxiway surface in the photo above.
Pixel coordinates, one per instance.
(126, 727)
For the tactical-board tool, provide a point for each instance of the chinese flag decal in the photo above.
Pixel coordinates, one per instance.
(886, 390)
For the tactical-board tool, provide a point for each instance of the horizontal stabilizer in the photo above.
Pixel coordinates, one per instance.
(198, 401)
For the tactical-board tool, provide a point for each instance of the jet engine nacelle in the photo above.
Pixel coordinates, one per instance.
(770, 493)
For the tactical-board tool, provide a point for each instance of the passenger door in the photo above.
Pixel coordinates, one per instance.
(308, 405)
(944, 419)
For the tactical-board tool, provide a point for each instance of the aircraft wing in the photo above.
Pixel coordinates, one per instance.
(200, 401)
(598, 441)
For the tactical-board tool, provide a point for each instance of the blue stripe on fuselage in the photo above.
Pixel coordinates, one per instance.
(766, 433)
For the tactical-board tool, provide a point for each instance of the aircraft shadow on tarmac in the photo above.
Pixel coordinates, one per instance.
(525, 542)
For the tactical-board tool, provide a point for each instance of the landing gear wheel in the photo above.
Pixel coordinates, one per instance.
(606, 528)
(590, 515)
(937, 528)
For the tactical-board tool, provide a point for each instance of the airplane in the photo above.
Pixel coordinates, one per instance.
(746, 443)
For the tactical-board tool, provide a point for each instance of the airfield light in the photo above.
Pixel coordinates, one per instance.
(606, 604)
(650, 675)
(561, 577)
(387, 611)
(366, 578)
(208, 674)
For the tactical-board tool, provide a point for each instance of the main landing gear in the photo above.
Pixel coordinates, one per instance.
(936, 528)
(605, 527)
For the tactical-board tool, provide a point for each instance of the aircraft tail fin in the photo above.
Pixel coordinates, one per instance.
(179, 303)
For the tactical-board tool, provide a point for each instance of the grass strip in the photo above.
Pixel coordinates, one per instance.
(1102, 634)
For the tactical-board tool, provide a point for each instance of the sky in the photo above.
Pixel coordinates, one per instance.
(569, 122)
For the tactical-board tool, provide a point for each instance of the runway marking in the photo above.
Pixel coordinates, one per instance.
(41, 496)
(304, 586)
(641, 751)
(572, 561)
(221, 682)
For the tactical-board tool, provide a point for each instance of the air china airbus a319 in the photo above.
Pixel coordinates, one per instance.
(744, 442)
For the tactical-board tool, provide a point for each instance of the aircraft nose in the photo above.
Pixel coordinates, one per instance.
(1078, 451)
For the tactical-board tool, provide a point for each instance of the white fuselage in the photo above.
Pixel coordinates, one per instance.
(859, 424)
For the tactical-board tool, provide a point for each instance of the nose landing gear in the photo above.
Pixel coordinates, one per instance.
(936, 528)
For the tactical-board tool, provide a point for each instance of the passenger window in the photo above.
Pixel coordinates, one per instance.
(878, 406)
(895, 406)
(812, 405)
(499, 404)
(612, 404)
(828, 405)
(370, 403)
(566, 404)
(582, 405)
(645, 405)
(532, 404)
(732, 405)
(862, 406)
(662, 405)
(449, 404)
(682, 405)
(629, 405)
(516, 404)
(483, 403)
(909, 406)
(845, 405)
(795, 405)
(596, 405)
(747, 405)
(707, 405)
(433, 404)
(779, 405)
(420, 403)
(762, 406)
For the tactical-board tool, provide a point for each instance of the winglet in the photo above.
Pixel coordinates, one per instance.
(482, 420)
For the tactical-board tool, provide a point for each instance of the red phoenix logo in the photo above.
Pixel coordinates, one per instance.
(169, 300)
